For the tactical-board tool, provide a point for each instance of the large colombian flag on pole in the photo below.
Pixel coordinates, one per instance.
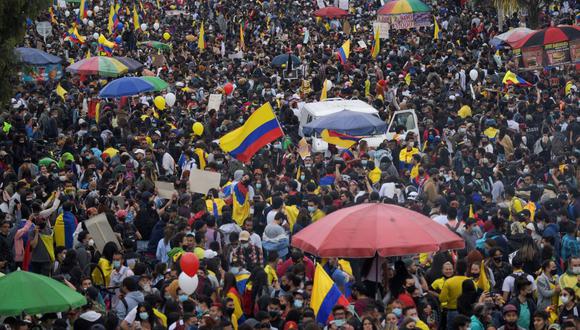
(325, 295)
(338, 139)
(261, 128)
(344, 52)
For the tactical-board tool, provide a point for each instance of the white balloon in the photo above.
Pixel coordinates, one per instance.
(187, 283)
(156, 26)
(85, 21)
(170, 99)
(144, 27)
(91, 23)
(96, 9)
(96, 35)
(89, 13)
(473, 74)
(66, 13)
(328, 85)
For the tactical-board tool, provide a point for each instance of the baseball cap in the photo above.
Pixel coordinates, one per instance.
(509, 308)
(244, 236)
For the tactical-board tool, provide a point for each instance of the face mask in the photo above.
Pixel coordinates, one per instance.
(311, 209)
(62, 178)
(183, 297)
(258, 186)
(462, 130)
(285, 287)
(308, 165)
(116, 264)
(410, 289)
(274, 314)
(234, 270)
(245, 245)
(526, 170)
(475, 275)
(167, 297)
(302, 177)
(91, 242)
(339, 323)
(564, 299)
(364, 162)
(143, 315)
(298, 303)
(219, 162)
(229, 311)
(147, 287)
(576, 270)
(198, 310)
(397, 311)
(497, 259)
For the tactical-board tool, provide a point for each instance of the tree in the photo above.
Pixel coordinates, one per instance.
(13, 15)
(533, 7)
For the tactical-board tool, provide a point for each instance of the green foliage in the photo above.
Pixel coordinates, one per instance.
(13, 14)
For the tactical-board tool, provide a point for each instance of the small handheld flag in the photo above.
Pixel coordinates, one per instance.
(511, 78)
(344, 52)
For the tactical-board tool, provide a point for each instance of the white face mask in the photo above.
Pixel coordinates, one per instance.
(564, 299)
(576, 270)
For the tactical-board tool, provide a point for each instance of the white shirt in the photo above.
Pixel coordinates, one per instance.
(168, 164)
(387, 190)
(508, 282)
(256, 240)
(441, 219)
(270, 216)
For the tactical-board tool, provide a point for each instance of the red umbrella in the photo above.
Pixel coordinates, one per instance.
(548, 36)
(330, 12)
(362, 231)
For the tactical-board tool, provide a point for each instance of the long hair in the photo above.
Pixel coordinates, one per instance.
(528, 251)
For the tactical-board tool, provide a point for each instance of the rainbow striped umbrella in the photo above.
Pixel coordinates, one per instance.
(98, 65)
(396, 7)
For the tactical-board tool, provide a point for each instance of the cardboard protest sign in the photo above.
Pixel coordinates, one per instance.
(214, 102)
(101, 231)
(202, 181)
(165, 189)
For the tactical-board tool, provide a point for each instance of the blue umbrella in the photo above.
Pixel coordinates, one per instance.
(283, 59)
(35, 56)
(347, 122)
(126, 86)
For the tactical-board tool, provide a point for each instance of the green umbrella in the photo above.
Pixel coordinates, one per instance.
(30, 293)
(155, 44)
(46, 161)
(158, 83)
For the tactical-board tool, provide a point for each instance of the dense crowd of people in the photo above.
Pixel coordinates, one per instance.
(496, 164)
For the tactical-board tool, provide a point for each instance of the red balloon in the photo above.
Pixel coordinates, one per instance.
(189, 263)
(228, 88)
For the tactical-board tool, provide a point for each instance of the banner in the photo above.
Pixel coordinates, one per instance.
(406, 21)
(383, 29)
(36, 73)
(558, 53)
(532, 57)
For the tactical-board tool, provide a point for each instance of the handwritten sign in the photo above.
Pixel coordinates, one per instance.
(214, 102)
(165, 189)
(101, 231)
(202, 181)
(382, 28)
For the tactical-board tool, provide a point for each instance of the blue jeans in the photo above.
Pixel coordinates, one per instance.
(450, 317)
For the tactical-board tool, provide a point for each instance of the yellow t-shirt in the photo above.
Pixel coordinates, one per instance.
(452, 289)
(406, 156)
(199, 252)
(464, 112)
(107, 268)
(271, 272)
(317, 215)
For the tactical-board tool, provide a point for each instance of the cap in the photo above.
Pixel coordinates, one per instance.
(208, 254)
(509, 308)
(140, 151)
(412, 195)
(244, 236)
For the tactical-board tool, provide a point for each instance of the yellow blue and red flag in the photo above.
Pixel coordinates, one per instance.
(339, 139)
(83, 9)
(325, 295)
(261, 128)
(376, 45)
(344, 52)
(511, 78)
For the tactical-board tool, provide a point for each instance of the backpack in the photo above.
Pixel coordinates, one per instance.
(516, 276)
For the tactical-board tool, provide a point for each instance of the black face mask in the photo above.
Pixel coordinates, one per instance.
(285, 287)
(475, 275)
(410, 289)
(283, 306)
(274, 314)
(497, 259)
(229, 311)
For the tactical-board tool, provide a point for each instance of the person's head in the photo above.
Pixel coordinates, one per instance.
(574, 265)
(496, 255)
(568, 325)
(510, 314)
(129, 284)
(568, 296)
(461, 267)
(549, 267)
(368, 324)
(523, 286)
(411, 311)
(541, 320)
(86, 282)
(117, 260)
(461, 322)
(145, 312)
(447, 269)
(339, 312)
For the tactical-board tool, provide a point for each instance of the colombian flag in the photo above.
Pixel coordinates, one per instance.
(136, 24)
(436, 31)
(344, 52)
(511, 78)
(241, 203)
(338, 139)
(325, 295)
(376, 45)
(260, 129)
(241, 282)
(106, 46)
(83, 9)
(201, 38)
(74, 36)
(237, 316)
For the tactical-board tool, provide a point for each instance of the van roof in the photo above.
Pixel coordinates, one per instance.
(330, 106)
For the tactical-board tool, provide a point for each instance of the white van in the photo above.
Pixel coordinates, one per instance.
(308, 112)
